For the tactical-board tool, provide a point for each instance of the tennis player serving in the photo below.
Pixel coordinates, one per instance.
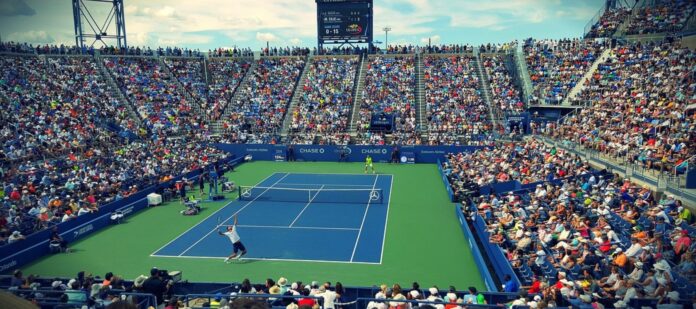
(237, 244)
(368, 163)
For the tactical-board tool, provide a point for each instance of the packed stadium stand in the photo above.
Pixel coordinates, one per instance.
(325, 101)
(455, 105)
(587, 206)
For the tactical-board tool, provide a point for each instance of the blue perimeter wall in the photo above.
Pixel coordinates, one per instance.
(356, 153)
(21, 253)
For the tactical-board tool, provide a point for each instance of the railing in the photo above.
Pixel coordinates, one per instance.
(271, 299)
(664, 180)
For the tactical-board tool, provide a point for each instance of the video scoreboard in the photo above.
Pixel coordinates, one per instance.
(344, 21)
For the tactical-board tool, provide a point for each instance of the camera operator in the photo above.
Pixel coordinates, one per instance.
(156, 285)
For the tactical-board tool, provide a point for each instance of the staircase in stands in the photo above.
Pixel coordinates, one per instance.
(115, 90)
(195, 102)
(297, 92)
(581, 83)
(358, 93)
(485, 87)
(230, 107)
(421, 121)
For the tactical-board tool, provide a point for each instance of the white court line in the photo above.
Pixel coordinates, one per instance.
(232, 216)
(357, 240)
(355, 174)
(322, 184)
(262, 259)
(386, 219)
(206, 218)
(305, 207)
(299, 227)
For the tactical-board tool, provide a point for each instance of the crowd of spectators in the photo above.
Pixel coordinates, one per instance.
(555, 66)
(57, 105)
(190, 73)
(287, 51)
(41, 194)
(506, 95)
(326, 98)
(390, 84)
(225, 77)
(454, 103)
(640, 95)
(263, 101)
(527, 162)
(595, 240)
(153, 92)
(664, 16)
(608, 23)
(230, 52)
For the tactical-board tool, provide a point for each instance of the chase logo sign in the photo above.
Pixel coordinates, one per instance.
(311, 150)
(374, 151)
(404, 159)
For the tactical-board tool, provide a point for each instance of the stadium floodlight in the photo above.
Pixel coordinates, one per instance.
(386, 37)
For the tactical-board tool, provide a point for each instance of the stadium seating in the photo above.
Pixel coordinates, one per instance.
(608, 23)
(506, 95)
(664, 16)
(56, 106)
(639, 96)
(259, 110)
(555, 66)
(528, 162)
(326, 99)
(225, 77)
(455, 105)
(152, 91)
(390, 88)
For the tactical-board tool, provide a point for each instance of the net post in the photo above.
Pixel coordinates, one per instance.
(239, 191)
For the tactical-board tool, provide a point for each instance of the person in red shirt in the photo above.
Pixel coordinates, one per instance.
(306, 301)
(15, 195)
(535, 287)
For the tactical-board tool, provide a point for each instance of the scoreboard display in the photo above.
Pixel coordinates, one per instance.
(344, 20)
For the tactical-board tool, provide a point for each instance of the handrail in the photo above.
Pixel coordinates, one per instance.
(674, 169)
(268, 297)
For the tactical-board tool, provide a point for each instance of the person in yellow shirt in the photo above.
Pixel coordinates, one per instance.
(368, 163)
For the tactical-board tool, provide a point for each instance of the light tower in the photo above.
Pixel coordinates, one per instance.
(386, 37)
(88, 31)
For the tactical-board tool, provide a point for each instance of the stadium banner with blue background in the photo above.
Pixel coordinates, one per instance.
(36, 245)
(354, 153)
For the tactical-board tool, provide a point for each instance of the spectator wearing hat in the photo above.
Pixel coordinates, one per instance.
(685, 214)
(283, 285)
(328, 295)
(15, 237)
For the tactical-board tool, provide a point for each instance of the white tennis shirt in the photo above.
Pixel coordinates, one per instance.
(232, 235)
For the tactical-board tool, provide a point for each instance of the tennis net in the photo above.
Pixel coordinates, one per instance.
(275, 194)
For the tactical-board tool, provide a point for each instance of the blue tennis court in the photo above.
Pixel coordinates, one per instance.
(298, 217)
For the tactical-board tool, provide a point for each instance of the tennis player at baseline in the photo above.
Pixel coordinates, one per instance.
(237, 244)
